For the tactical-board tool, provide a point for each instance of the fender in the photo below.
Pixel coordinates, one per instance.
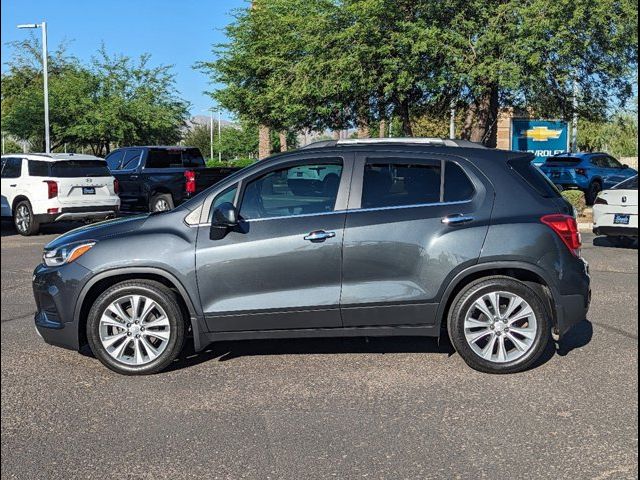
(194, 318)
(503, 265)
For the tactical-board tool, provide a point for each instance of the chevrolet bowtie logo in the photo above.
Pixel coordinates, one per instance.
(541, 134)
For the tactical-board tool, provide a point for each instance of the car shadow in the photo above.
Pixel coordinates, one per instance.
(579, 336)
(229, 350)
(625, 243)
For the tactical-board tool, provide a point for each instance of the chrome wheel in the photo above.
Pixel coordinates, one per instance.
(22, 218)
(161, 205)
(134, 330)
(500, 327)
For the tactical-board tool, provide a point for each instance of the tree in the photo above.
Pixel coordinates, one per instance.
(342, 63)
(114, 100)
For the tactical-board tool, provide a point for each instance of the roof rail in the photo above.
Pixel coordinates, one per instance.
(446, 142)
(442, 142)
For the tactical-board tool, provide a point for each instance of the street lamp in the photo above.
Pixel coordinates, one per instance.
(45, 71)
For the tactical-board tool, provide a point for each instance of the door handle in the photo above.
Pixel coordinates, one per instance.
(457, 219)
(13, 185)
(319, 236)
(133, 176)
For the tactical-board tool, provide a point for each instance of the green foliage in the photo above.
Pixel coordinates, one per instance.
(237, 143)
(619, 136)
(11, 146)
(115, 100)
(294, 64)
(577, 199)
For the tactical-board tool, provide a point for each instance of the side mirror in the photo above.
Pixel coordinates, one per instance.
(625, 166)
(225, 216)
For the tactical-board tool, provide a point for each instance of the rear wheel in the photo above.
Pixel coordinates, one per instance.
(24, 220)
(161, 202)
(592, 192)
(499, 325)
(136, 327)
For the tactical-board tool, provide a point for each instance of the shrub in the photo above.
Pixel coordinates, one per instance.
(577, 199)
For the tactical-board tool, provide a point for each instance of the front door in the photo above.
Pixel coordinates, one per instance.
(416, 221)
(128, 175)
(280, 269)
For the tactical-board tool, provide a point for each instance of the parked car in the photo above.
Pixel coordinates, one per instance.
(156, 179)
(41, 188)
(589, 172)
(420, 235)
(615, 213)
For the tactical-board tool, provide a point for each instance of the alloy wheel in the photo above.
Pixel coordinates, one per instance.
(500, 327)
(23, 218)
(161, 205)
(134, 330)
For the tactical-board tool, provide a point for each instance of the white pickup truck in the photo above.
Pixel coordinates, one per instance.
(45, 188)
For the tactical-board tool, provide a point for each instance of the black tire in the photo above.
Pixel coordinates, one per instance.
(25, 226)
(161, 202)
(475, 290)
(592, 192)
(160, 294)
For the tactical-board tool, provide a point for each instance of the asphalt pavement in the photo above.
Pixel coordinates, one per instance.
(325, 408)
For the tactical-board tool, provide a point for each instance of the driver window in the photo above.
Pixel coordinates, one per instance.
(613, 163)
(298, 190)
(227, 195)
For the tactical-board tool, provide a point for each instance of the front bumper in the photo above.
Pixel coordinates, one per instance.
(55, 290)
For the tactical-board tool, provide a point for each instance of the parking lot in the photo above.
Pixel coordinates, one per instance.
(324, 408)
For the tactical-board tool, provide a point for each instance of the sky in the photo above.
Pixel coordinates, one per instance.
(178, 32)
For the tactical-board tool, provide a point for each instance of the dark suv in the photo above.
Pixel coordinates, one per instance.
(394, 237)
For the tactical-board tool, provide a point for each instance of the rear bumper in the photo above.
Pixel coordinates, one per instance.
(617, 231)
(79, 213)
(572, 308)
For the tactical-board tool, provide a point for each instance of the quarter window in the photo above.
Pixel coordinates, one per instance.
(457, 186)
(38, 168)
(299, 190)
(399, 184)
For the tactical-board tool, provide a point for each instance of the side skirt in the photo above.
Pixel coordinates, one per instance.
(395, 331)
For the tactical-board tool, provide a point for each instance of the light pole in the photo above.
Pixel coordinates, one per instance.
(45, 71)
(219, 136)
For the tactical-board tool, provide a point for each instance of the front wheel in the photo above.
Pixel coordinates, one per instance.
(136, 327)
(499, 325)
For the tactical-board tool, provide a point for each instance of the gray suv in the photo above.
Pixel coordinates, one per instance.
(420, 237)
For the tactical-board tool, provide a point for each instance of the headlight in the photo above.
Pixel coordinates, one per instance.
(66, 253)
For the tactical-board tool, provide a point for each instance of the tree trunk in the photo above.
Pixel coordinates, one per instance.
(383, 129)
(283, 142)
(264, 142)
(481, 121)
(405, 117)
(363, 129)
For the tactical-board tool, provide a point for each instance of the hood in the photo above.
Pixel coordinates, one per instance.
(98, 231)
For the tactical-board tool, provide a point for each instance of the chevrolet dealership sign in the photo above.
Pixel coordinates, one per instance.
(543, 138)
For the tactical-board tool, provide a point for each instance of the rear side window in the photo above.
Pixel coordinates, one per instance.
(11, 167)
(164, 158)
(534, 177)
(191, 158)
(457, 186)
(399, 184)
(38, 168)
(80, 168)
(631, 184)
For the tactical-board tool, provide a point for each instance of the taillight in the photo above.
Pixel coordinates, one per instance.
(600, 201)
(567, 229)
(52, 188)
(190, 181)
(581, 171)
(116, 186)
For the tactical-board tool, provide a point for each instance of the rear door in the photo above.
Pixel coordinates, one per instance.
(413, 222)
(281, 268)
(82, 181)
